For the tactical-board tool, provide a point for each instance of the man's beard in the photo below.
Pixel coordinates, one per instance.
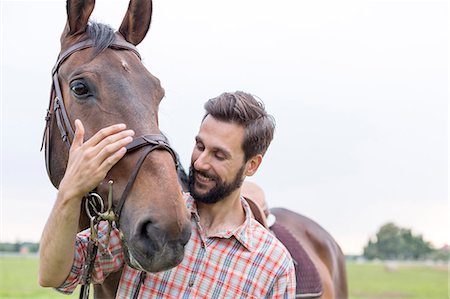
(219, 191)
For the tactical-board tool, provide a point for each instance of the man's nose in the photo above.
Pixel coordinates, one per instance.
(202, 162)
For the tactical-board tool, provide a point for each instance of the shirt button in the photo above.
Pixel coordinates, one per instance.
(191, 284)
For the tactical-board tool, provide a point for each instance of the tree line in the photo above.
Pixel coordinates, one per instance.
(395, 243)
(19, 247)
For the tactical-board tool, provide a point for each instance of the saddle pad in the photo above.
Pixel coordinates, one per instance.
(308, 280)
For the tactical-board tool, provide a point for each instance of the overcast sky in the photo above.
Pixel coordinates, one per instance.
(359, 90)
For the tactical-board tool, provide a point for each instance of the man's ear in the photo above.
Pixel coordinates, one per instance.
(253, 165)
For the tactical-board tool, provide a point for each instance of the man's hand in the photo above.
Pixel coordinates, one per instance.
(90, 161)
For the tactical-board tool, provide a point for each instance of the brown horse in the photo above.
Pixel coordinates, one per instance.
(311, 246)
(321, 248)
(99, 79)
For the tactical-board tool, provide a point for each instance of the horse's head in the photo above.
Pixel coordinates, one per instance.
(102, 82)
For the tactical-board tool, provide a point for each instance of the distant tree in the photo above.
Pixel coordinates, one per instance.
(371, 251)
(392, 242)
(442, 254)
(8, 247)
(33, 247)
(15, 247)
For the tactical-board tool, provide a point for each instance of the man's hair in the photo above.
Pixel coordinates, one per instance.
(243, 109)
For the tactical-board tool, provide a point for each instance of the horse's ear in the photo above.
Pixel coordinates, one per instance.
(78, 13)
(137, 20)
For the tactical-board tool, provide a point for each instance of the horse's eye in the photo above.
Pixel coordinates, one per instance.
(79, 88)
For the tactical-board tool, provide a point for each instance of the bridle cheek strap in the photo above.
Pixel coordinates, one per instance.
(151, 143)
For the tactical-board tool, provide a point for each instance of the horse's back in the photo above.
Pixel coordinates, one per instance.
(323, 250)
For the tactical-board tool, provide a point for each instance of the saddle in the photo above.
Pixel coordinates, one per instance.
(257, 212)
(309, 284)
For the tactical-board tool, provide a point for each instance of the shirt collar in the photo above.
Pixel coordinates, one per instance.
(242, 233)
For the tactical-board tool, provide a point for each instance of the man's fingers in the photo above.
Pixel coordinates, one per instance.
(90, 161)
(113, 139)
(79, 134)
(110, 149)
(111, 160)
(104, 133)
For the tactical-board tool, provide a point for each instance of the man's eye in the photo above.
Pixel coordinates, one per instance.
(220, 156)
(200, 146)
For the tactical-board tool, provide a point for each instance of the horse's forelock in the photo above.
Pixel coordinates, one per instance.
(102, 35)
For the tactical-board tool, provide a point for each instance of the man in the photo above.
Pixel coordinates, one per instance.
(229, 255)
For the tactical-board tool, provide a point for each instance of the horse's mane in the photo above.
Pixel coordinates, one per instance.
(102, 35)
(182, 175)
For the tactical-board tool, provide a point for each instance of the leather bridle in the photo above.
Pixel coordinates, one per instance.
(58, 111)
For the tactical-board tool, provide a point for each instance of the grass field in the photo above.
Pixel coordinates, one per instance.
(376, 281)
(18, 279)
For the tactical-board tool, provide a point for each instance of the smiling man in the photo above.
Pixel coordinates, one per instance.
(233, 138)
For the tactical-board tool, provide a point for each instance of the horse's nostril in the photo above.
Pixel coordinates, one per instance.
(147, 227)
(149, 235)
(153, 238)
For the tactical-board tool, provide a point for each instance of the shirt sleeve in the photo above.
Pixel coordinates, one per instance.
(109, 258)
(285, 285)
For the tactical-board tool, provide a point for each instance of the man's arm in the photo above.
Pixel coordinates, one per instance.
(89, 162)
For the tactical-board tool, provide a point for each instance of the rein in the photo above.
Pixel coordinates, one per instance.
(94, 203)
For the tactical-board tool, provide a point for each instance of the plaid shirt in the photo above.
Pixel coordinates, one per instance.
(248, 262)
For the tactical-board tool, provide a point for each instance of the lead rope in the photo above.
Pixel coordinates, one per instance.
(95, 210)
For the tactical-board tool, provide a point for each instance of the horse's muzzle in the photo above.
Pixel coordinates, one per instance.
(151, 248)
